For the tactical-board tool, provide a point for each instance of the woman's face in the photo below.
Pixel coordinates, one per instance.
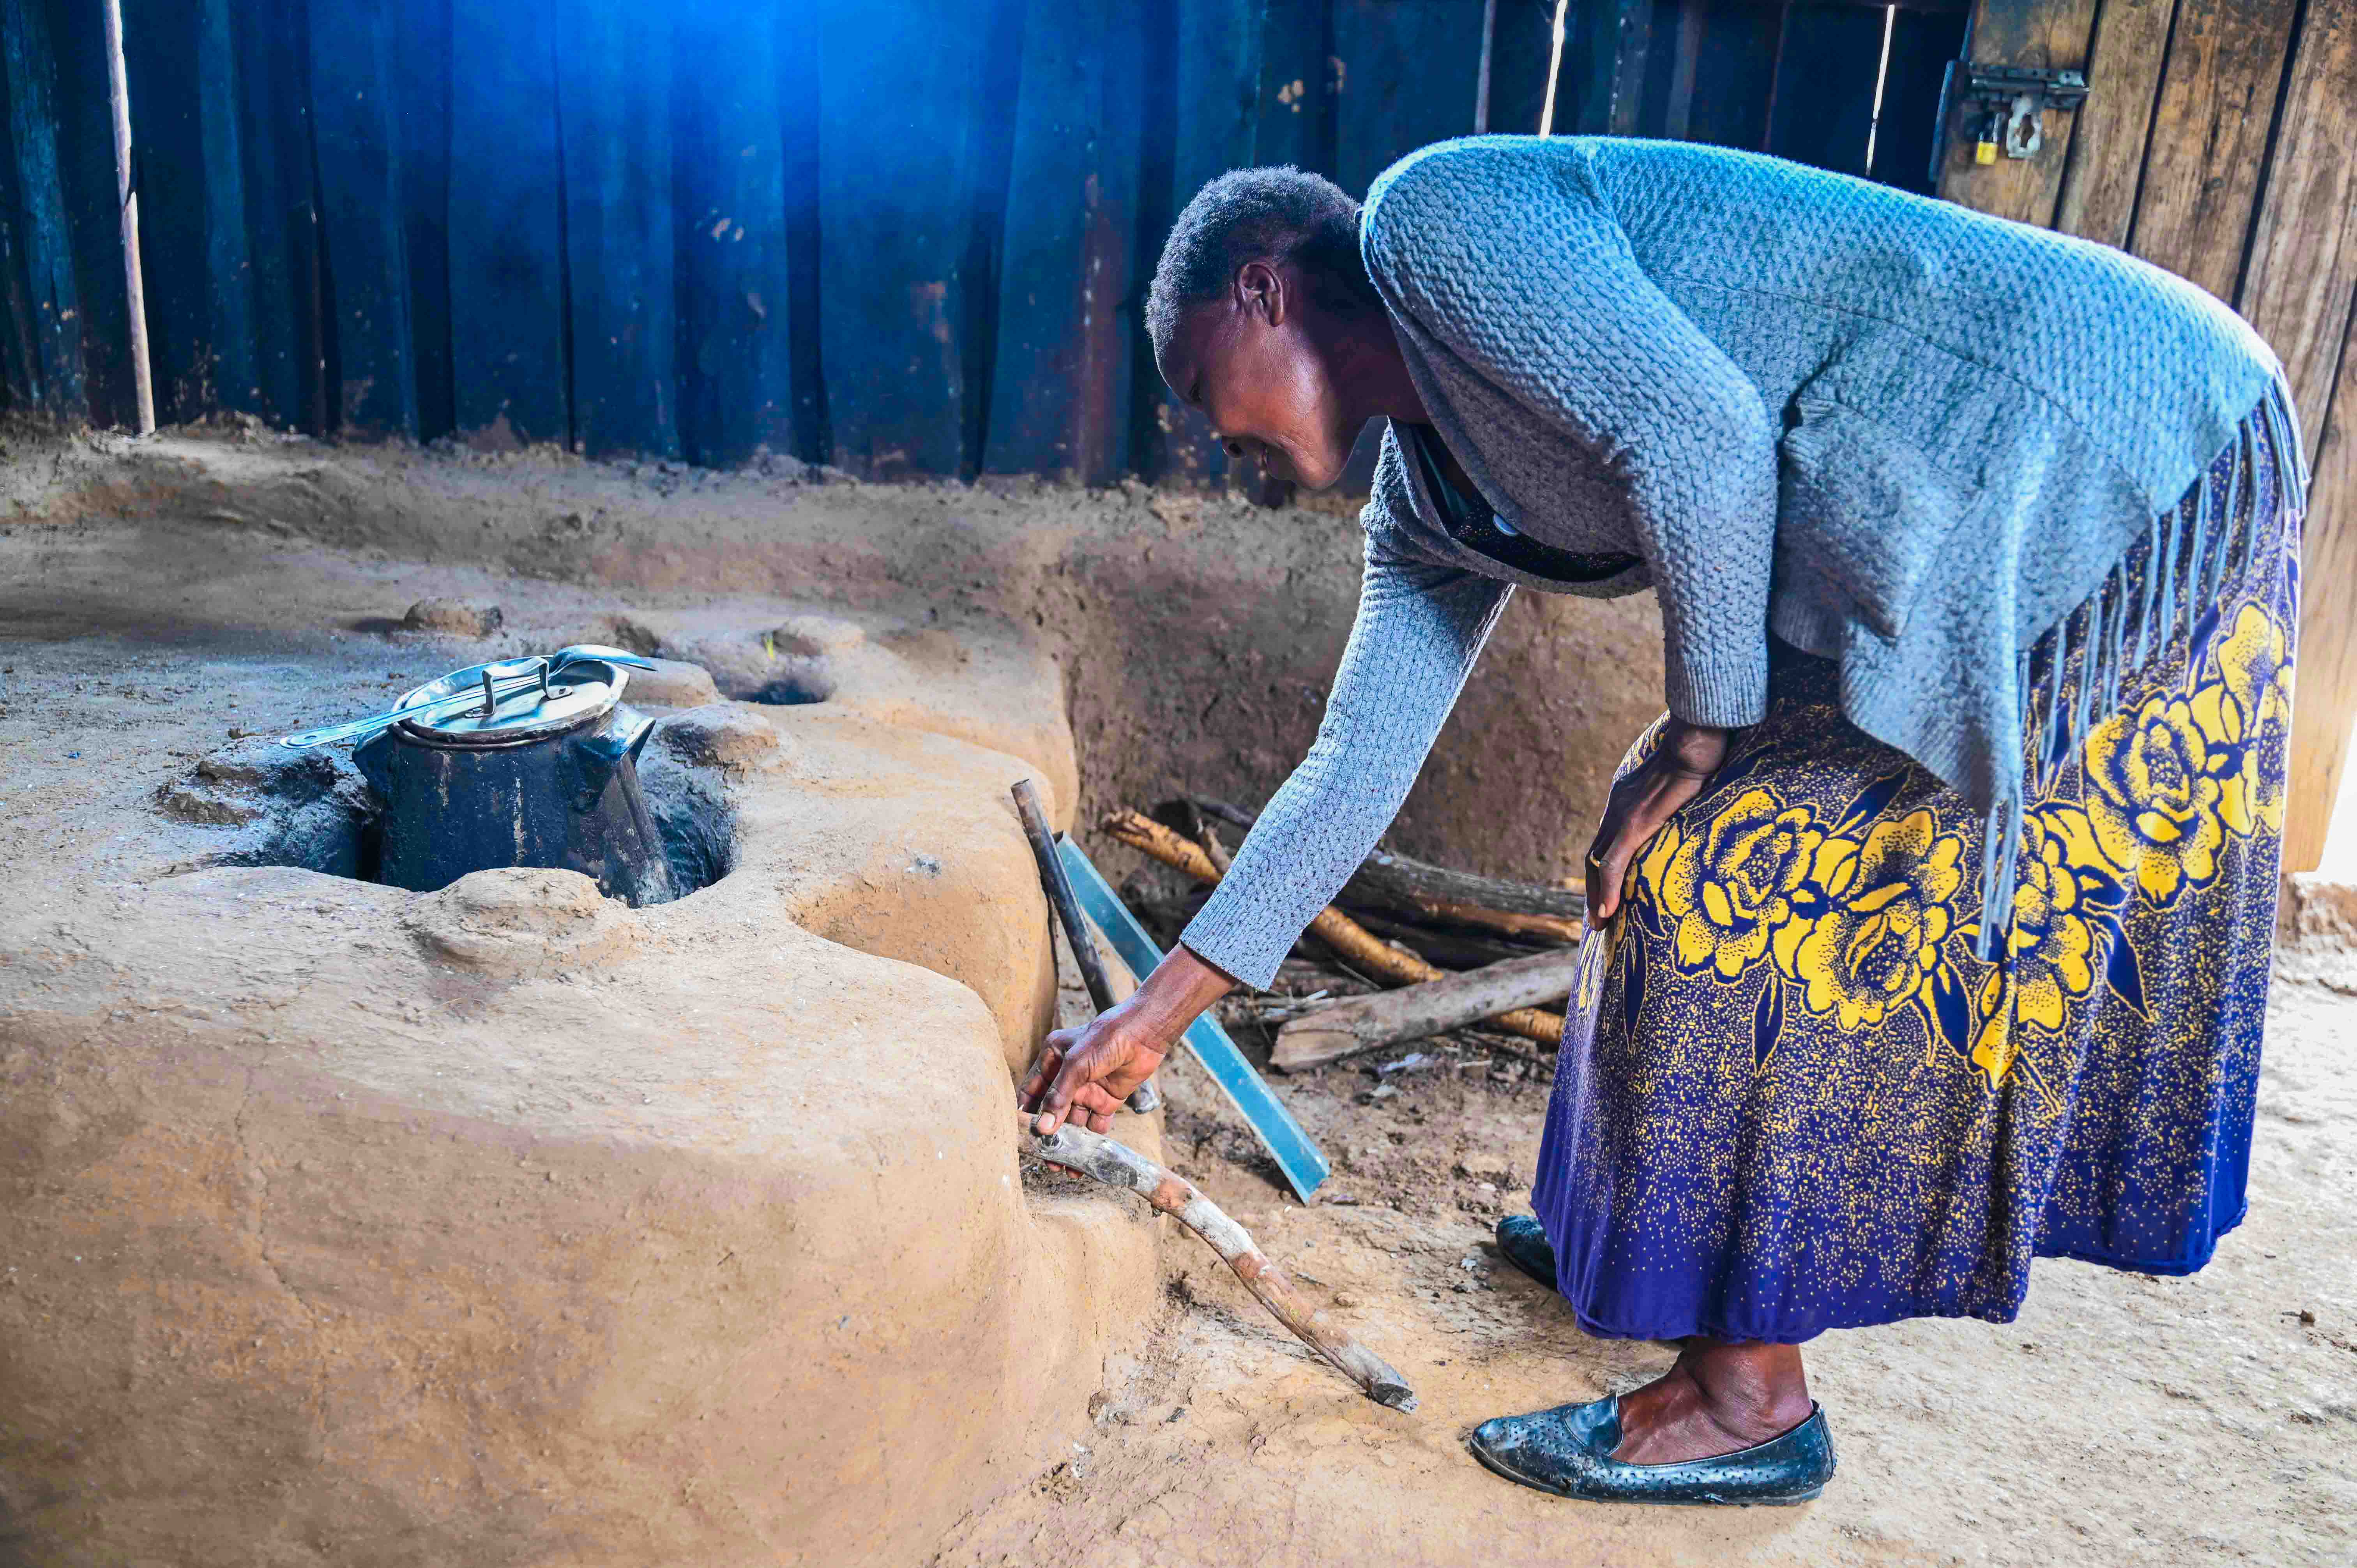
(1255, 363)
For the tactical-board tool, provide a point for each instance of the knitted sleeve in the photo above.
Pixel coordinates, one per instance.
(1503, 257)
(1420, 625)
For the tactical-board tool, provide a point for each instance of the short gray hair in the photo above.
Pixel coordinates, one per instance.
(1275, 214)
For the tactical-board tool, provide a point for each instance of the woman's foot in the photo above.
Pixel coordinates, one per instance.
(1728, 1424)
(1576, 1451)
(1718, 1398)
(1522, 1242)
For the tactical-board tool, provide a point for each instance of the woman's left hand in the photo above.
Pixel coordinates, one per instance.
(1647, 795)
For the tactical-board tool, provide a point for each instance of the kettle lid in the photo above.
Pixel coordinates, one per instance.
(520, 699)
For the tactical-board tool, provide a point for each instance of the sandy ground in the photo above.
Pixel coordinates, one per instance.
(2120, 1419)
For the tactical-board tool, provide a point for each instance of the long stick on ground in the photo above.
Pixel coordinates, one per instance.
(1116, 1164)
(1388, 1017)
(1359, 947)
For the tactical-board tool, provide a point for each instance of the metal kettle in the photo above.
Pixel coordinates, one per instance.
(542, 770)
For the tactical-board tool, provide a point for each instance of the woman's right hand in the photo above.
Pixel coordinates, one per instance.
(1083, 1075)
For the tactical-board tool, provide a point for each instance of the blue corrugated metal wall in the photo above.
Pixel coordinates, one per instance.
(901, 236)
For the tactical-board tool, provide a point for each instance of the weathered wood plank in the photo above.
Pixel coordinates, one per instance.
(1824, 88)
(1411, 69)
(1066, 325)
(358, 140)
(2303, 269)
(20, 355)
(49, 307)
(735, 334)
(1685, 56)
(181, 165)
(2043, 33)
(1295, 121)
(614, 87)
(1921, 45)
(1406, 73)
(1602, 39)
(506, 235)
(234, 337)
(895, 197)
(1733, 73)
(2107, 149)
(271, 41)
(2325, 702)
(2301, 294)
(2210, 138)
(421, 68)
(1215, 104)
(94, 209)
(796, 63)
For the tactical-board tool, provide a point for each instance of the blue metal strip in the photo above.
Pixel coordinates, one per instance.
(1279, 1133)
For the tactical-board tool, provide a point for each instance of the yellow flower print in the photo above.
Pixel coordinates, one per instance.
(1878, 912)
(1994, 1044)
(2061, 880)
(2249, 708)
(1730, 885)
(1653, 868)
(2154, 795)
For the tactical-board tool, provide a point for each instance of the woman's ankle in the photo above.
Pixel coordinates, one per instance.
(1750, 1389)
(1717, 1399)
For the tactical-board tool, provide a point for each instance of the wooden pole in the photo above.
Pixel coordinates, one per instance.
(126, 196)
(1066, 910)
(1489, 48)
(1417, 1012)
(1358, 946)
(1117, 1164)
(1555, 73)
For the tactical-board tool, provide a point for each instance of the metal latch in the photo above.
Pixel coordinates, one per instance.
(2007, 104)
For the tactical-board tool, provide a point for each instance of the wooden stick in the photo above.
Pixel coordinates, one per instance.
(1145, 1098)
(1386, 877)
(1389, 1017)
(1448, 947)
(1357, 946)
(1116, 1164)
(1407, 885)
(1209, 837)
(1545, 927)
(126, 195)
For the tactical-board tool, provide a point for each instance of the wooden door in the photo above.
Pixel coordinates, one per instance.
(2218, 140)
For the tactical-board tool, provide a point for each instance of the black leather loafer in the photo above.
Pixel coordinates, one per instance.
(1568, 1451)
(1524, 1243)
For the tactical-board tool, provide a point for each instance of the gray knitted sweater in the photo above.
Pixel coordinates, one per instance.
(1902, 435)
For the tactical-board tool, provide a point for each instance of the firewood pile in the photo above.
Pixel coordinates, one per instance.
(1407, 951)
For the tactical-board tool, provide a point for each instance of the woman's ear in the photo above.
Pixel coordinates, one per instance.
(1260, 292)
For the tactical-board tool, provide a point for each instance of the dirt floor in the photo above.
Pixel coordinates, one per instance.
(2120, 1419)
(162, 602)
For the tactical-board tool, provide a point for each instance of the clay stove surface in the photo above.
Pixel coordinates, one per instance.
(506, 1223)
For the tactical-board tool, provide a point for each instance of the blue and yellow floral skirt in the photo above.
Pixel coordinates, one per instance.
(1809, 1105)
